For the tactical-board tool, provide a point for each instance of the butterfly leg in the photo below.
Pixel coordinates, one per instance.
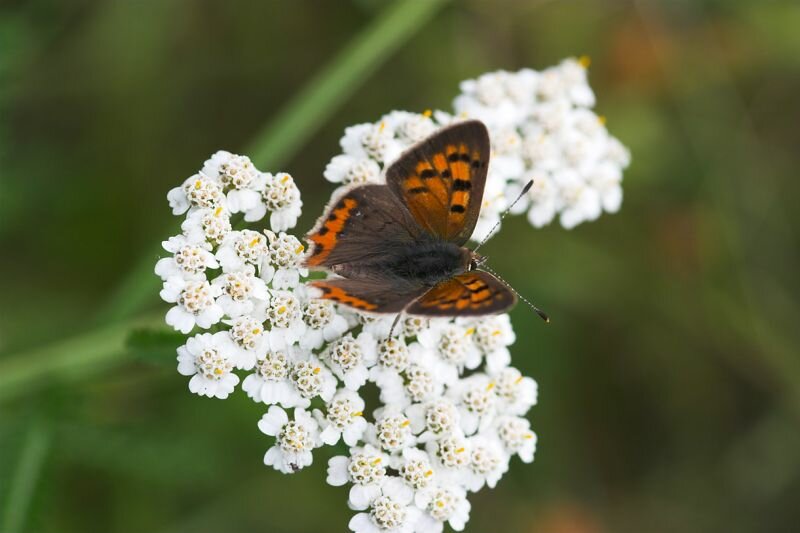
(394, 324)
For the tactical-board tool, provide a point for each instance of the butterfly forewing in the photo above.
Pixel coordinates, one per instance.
(470, 293)
(361, 225)
(441, 180)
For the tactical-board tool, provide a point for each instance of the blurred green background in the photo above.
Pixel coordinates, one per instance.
(669, 378)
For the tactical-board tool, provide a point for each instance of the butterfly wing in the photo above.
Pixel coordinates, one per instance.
(441, 180)
(468, 294)
(379, 295)
(360, 226)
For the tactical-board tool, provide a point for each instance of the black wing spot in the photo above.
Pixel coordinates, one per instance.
(418, 190)
(476, 164)
(455, 156)
(446, 173)
(428, 173)
(461, 185)
(323, 230)
(456, 208)
(465, 157)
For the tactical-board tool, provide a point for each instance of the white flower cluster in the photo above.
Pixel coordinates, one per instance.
(542, 128)
(452, 409)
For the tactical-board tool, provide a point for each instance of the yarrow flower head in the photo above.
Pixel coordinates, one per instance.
(452, 410)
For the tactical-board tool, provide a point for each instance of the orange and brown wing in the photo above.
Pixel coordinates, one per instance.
(361, 225)
(371, 295)
(471, 293)
(441, 180)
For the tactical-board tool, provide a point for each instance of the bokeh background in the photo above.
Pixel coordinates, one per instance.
(669, 377)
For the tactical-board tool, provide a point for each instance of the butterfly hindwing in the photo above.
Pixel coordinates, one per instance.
(371, 295)
(471, 293)
(359, 226)
(441, 180)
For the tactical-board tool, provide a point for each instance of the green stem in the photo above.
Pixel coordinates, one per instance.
(281, 139)
(64, 360)
(104, 346)
(26, 476)
(286, 133)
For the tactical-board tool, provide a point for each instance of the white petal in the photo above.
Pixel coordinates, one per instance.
(361, 496)
(337, 471)
(273, 420)
(330, 435)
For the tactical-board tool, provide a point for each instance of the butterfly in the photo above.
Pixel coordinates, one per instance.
(399, 247)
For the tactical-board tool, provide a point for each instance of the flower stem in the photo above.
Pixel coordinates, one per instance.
(75, 357)
(26, 475)
(281, 139)
(300, 118)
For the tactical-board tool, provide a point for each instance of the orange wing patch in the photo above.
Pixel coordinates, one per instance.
(470, 293)
(442, 180)
(326, 237)
(336, 293)
(439, 192)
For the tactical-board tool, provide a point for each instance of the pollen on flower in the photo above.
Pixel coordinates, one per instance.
(393, 353)
(420, 383)
(365, 469)
(293, 437)
(285, 250)
(238, 172)
(280, 192)
(346, 353)
(196, 297)
(479, 399)
(191, 259)
(216, 225)
(387, 513)
(212, 364)
(514, 432)
(393, 432)
(202, 192)
(306, 377)
(451, 451)
(441, 417)
(484, 459)
(283, 310)
(413, 325)
(251, 246)
(417, 472)
(443, 505)
(341, 412)
(318, 313)
(274, 367)
(239, 285)
(454, 344)
(246, 331)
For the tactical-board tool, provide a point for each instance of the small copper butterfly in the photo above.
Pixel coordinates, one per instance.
(399, 247)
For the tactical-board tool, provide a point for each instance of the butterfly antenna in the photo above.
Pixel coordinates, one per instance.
(536, 310)
(497, 224)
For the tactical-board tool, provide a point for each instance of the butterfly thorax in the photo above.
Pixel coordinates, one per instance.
(428, 263)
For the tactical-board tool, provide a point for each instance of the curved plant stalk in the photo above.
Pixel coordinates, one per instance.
(104, 346)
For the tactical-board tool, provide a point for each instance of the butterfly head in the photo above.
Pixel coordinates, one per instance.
(476, 260)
